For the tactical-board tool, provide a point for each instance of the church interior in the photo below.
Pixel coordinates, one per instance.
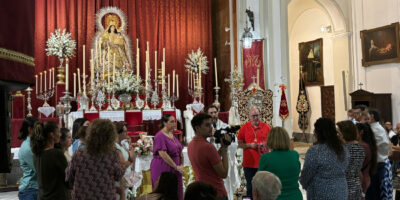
(136, 61)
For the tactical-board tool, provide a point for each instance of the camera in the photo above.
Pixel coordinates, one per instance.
(230, 130)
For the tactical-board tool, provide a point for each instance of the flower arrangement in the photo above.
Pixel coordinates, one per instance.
(192, 63)
(144, 147)
(126, 82)
(60, 44)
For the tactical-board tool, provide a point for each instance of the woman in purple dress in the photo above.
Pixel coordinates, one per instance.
(167, 153)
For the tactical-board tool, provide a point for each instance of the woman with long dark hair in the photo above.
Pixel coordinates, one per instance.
(28, 187)
(50, 162)
(167, 153)
(324, 171)
(65, 142)
(166, 188)
(78, 123)
(368, 142)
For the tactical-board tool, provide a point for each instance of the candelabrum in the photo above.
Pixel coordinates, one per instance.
(216, 102)
(109, 91)
(29, 107)
(45, 96)
(154, 96)
(174, 98)
(148, 92)
(67, 99)
(166, 104)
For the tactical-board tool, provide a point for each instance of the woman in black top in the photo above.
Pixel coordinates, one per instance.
(50, 163)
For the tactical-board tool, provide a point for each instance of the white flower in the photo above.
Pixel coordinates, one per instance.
(60, 44)
(192, 63)
(126, 82)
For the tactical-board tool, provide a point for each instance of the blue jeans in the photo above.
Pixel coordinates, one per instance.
(248, 174)
(28, 194)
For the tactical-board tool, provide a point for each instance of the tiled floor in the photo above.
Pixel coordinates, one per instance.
(9, 195)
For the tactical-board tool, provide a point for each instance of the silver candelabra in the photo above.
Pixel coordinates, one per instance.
(45, 96)
(29, 107)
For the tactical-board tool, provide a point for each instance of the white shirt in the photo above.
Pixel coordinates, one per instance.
(391, 134)
(382, 141)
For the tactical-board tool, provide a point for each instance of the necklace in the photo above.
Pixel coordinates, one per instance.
(255, 134)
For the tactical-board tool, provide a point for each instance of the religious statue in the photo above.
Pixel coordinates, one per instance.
(112, 40)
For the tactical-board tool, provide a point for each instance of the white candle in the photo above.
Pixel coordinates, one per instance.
(108, 67)
(103, 69)
(91, 72)
(163, 55)
(188, 78)
(79, 81)
(36, 86)
(258, 77)
(45, 82)
(53, 77)
(155, 65)
(49, 78)
(146, 75)
(177, 85)
(41, 78)
(66, 75)
(169, 92)
(97, 55)
(137, 62)
(74, 84)
(114, 67)
(147, 44)
(137, 43)
(173, 82)
(84, 54)
(216, 72)
(200, 74)
(191, 79)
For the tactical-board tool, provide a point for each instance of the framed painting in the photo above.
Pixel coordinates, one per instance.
(380, 45)
(311, 62)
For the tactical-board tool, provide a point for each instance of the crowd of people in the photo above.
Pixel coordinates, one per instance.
(349, 160)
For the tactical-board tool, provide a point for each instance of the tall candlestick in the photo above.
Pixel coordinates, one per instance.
(169, 93)
(137, 63)
(177, 85)
(173, 82)
(114, 67)
(108, 67)
(45, 82)
(188, 78)
(216, 72)
(66, 75)
(155, 65)
(103, 69)
(36, 86)
(74, 84)
(199, 74)
(97, 55)
(84, 54)
(79, 81)
(191, 80)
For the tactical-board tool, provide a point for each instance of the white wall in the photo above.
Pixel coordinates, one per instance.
(305, 28)
(384, 78)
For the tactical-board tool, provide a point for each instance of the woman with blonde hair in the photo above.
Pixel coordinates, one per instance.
(93, 170)
(282, 162)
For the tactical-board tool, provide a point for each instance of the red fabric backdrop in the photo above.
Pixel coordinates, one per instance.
(177, 25)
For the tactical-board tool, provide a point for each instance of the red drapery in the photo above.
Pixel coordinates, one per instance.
(177, 25)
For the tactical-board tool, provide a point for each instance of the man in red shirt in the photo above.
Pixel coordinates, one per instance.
(252, 134)
(206, 160)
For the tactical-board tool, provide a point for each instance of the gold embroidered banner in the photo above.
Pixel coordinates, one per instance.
(253, 58)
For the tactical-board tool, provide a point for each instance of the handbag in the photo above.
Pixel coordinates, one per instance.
(130, 179)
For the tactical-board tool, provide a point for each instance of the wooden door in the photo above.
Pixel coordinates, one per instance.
(328, 102)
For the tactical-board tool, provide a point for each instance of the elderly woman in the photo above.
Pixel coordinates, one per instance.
(282, 162)
(93, 170)
(324, 171)
(167, 151)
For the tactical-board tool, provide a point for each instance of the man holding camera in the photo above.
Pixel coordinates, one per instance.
(251, 137)
(232, 182)
(206, 160)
